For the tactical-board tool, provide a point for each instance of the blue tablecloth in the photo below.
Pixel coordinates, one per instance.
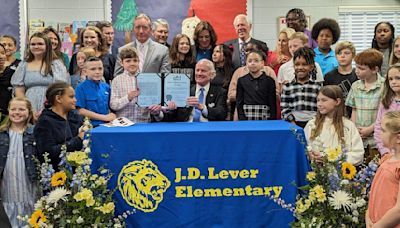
(216, 174)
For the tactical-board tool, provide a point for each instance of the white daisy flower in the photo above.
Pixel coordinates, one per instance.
(56, 195)
(340, 199)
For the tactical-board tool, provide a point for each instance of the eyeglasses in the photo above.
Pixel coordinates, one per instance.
(292, 19)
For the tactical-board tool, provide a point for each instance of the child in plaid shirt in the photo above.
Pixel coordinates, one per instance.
(364, 97)
(125, 91)
(299, 97)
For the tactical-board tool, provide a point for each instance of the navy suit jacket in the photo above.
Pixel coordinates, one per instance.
(215, 102)
(236, 50)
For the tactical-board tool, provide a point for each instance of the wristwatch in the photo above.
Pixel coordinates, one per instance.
(290, 118)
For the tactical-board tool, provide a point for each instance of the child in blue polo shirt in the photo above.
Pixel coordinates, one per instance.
(326, 32)
(93, 95)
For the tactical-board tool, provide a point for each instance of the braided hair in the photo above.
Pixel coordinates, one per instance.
(57, 88)
(308, 54)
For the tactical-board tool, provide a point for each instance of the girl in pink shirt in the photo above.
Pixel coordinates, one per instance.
(384, 201)
(390, 102)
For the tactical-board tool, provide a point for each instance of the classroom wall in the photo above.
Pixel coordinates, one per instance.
(265, 13)
(66, 10)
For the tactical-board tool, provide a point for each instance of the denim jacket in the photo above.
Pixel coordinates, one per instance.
(30, 151)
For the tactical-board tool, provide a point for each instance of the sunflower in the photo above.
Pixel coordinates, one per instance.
(36, 218)
(58, 179)
(348, 170)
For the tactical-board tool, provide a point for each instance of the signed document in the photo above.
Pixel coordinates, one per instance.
(119, 122)
(176, 89)
(149, 85)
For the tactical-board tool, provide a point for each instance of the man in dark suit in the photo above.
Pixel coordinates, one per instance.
(153, 57)
(206, 102)
(242, 28)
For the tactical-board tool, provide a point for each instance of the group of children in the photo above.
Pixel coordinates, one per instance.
(320, 104)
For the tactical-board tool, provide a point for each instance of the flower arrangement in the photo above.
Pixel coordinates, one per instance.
(75, 197)
(336, 195)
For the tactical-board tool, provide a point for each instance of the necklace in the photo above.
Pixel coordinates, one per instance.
(203, 51)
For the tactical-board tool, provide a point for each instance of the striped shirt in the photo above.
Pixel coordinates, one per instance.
(366, 103)
(300, 98)
(119, 102)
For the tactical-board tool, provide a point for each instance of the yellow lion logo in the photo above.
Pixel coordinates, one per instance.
(142, 185)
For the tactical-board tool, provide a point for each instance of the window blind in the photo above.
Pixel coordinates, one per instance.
(357, 24)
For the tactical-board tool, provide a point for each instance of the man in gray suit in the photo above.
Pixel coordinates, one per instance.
(242, 27)
(153, 57)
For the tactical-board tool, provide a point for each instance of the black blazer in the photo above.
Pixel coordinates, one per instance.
(236, 50)
(215, 102)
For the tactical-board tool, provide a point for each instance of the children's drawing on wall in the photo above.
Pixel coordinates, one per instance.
(127, 12)
(188, 26)
(221, 17)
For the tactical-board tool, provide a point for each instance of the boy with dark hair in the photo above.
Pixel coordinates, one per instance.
(326, 32)
(256, 92)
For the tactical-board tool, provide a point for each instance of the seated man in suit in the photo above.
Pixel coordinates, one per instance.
(153, 57)
(206, 102)
(242, 27)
